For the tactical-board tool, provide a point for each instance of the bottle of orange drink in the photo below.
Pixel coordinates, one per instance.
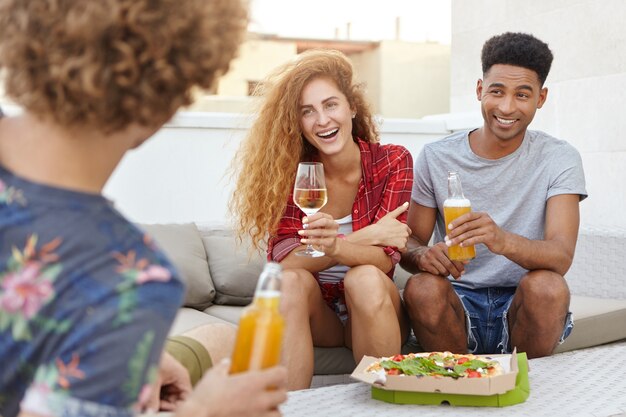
(454, 206)
(259, 339)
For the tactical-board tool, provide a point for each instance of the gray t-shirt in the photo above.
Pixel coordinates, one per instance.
(513, 190)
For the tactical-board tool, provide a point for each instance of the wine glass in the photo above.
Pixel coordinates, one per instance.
(309, 193)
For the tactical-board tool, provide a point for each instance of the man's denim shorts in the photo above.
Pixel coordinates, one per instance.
(486, 313)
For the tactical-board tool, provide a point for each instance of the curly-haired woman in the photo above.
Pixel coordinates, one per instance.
(313, 110)
(86, 299)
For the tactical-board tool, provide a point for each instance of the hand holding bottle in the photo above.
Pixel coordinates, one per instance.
(465, 228)
(260, 335)
(455, 206)
(254, 393)
(475, 228)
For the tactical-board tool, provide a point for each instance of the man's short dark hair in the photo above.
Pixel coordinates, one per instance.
(519, 49)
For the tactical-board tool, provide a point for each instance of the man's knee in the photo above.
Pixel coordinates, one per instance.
(425, 289)
(542, 287)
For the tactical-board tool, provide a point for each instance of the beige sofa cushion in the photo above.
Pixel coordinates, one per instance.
(596, 321)
(234, 270)
(227, 313)
(189, 318)
(183, 246)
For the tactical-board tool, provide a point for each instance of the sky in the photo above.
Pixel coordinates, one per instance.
(420, 20)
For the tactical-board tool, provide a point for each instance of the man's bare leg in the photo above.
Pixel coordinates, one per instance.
(538, 311)
(217, 338)
(436, 313)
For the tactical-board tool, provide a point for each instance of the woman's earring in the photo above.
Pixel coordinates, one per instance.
(353, 115)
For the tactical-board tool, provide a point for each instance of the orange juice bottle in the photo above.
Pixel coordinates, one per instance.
(454, 206)
(259, 339)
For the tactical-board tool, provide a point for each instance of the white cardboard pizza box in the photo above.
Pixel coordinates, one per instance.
(498, 384)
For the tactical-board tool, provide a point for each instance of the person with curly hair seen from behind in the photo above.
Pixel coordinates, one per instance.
(312, 110)
(86, 298)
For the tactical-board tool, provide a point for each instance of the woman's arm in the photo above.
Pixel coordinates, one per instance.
(284, 250)
(374, 244)
(322, 234)
(388, 231)
(388, 225)
(381, 229)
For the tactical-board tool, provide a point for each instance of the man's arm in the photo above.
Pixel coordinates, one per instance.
(555, 252)
(421, 221)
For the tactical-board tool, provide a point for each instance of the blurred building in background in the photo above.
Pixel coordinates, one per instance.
(408, 80)
(402, 79)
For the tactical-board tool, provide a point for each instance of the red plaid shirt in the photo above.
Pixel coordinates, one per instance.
(385, 184)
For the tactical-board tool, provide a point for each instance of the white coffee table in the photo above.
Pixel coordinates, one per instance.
(567, 384)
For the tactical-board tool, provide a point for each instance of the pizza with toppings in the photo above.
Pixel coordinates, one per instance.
(443, 364)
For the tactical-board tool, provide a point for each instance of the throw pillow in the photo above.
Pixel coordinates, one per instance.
(183, 246)
(234, 271)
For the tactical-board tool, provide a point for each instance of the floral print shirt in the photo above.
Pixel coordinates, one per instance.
(86, 301)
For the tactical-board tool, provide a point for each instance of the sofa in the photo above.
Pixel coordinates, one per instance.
(221, 276)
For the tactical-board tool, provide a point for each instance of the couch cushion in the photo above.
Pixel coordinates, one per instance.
(234, 269)
(328, 361)
(189, 318)
(230, 314)
(184, 248)
(596, 321)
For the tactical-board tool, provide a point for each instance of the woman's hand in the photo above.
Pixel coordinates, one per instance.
(388, 231)
(391, 231)
(320, 230)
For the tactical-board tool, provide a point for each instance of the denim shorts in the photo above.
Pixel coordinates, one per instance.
(486, 314)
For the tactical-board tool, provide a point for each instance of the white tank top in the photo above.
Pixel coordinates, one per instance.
(337, 272)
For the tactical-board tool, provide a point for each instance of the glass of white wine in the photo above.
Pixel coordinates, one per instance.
(309, 193)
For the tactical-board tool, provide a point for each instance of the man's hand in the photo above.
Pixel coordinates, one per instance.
(474, 228)
(255, 393)
(434, 259)
(172, 385)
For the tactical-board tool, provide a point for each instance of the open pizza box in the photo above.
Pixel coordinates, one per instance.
(509, 388)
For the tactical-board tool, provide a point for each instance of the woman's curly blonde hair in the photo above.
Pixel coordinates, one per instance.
(265, 164)
(108, 64)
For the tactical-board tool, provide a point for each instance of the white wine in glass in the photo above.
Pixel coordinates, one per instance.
(309, 193)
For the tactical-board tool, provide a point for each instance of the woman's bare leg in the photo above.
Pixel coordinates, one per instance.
(378, 323)
(308, 321)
